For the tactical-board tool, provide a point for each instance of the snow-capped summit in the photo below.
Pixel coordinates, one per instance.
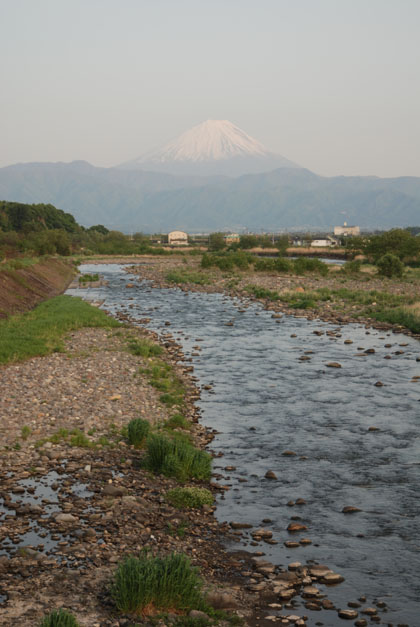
(210, 148)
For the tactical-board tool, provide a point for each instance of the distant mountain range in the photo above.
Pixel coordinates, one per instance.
(214, 177)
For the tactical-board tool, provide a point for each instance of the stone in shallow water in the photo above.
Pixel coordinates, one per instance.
(293, 527)
(347, 614)
(349, 509)
(332, 578)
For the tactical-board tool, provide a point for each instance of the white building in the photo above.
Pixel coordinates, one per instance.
(346, 230)
(177, 238)
(324, 243)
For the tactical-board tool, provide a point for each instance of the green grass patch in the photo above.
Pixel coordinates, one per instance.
(176, 457)
(262, 292)
(189, 497)
(403, 316)
(163, 377)
(59, 618)
(187, 276)
(88, 278)
(25, 432)
(41, 331)
(138, 430)
(144, 347)
(177, 421)
(145, 583)
(19, 264)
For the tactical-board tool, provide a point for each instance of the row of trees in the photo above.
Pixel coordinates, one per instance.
(217, 242)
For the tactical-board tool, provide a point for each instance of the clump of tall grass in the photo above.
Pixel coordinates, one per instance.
(189, 497)
(59, 618)
(144, 347)
(146, 583)
(176, 457)
(137, 432)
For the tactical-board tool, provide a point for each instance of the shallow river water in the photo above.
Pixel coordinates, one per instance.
(266, 401)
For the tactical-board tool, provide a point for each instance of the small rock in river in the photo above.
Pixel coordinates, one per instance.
(349, 509)
(293, 527)
(270, 475)
(333, 364)
(288, 453)
(379, 384)
(347, 614)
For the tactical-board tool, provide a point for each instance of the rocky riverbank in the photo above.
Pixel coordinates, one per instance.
(340, 310)
(74, 499)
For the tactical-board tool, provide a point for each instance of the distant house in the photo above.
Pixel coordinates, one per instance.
(324, 243)
(231, 238)
(177, 238)
(346, 231)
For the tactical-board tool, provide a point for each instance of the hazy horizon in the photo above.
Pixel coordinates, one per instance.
(332, 86)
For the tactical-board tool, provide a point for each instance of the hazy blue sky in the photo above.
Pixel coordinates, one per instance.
(331, 84)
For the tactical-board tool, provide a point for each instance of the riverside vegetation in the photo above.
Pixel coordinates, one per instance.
(355, 291)
(163, 452)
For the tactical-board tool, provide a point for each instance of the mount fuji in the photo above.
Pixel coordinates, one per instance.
(215, 147)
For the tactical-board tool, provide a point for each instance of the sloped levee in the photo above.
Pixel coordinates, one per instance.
(23, 288)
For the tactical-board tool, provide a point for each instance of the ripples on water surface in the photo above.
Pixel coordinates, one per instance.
(266, 401)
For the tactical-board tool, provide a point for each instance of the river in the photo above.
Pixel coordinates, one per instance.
(354, 443)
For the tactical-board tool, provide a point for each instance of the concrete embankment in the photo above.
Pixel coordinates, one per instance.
(23, 287)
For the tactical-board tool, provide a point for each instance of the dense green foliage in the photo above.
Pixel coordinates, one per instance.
(174, 457)
(216, 241)
(41, 331)
(226, 260)
(138, 430)
(229, 260)
(149, 583)
(189, 497)
(390, 265)
(399, 242)
(19, 217)
(59, 618)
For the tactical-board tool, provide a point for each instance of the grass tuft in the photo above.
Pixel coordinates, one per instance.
(177, 421)
(189, 497)
(145, 583)
(137, 432)
(144, 348)
(177, 458)
(59, 618)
